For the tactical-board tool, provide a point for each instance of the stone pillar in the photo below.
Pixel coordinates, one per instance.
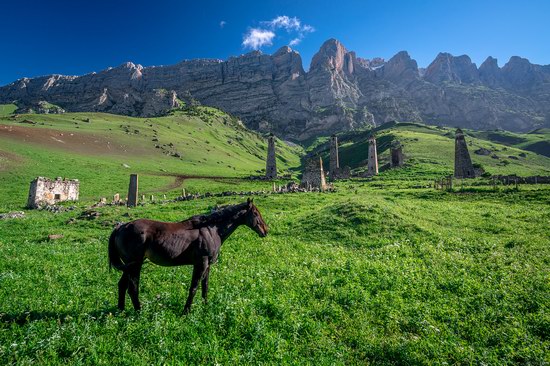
(334, 161)
(372, 167)
(396, 155)
(463, 163)
(271, 164)
(133, 191)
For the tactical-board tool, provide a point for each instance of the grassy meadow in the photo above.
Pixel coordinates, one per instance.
(383, 271)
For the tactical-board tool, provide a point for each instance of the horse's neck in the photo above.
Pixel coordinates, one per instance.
(227, 228)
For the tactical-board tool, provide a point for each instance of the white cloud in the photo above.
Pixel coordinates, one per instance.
(285, 22)
(257, 38)
(289, 23)
(264, 35)
(223, 23)
(295, 42)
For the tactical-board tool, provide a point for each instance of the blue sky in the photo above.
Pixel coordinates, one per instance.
(77, 37)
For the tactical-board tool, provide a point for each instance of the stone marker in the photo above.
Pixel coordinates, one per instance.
(463, 163)
(271, 164)
(372, 166)
(47, 191)
(116, 198)
(133, 191)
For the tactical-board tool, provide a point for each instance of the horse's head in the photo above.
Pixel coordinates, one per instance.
(254, 220)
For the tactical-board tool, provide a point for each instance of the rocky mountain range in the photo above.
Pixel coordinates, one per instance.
(339, 92)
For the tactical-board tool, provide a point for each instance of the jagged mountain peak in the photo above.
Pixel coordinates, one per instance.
(449, 68)
(340, 91)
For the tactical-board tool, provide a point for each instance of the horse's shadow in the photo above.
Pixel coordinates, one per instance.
(29, 316)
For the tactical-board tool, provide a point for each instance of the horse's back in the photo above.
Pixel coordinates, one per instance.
(164, 243)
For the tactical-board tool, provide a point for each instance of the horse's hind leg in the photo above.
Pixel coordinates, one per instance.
(122, 287)
(204, 284)
(134, 272)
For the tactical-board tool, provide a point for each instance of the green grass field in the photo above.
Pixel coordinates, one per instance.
(384, 271)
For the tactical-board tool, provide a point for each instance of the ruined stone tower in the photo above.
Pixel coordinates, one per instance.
(396, 155)
(313, 175)
(335, 171)
(463, 163)
(271, 164)
(334, 162)
(372, 167)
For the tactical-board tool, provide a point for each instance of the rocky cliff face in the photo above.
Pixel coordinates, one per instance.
(340, 91)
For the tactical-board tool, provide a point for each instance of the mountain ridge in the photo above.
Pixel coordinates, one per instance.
(339, 92)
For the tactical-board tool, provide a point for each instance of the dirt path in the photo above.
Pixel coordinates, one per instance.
(180, 178)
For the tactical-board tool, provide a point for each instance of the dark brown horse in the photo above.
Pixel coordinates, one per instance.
(195, 241)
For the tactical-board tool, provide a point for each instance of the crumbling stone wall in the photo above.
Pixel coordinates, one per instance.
(463, 162)
(46, 191)
(372, 165)
(271, 163)
(397, 155)
(313, 175)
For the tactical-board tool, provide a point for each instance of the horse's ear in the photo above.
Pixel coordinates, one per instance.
(249, 201)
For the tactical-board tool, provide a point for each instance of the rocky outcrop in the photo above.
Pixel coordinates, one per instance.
(340, 91)
(448, 68)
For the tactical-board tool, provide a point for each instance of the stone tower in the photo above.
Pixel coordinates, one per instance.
(313, 175)
(396, 155)
(271, 164)
(372, 167)
(334, 162)
(463, 163)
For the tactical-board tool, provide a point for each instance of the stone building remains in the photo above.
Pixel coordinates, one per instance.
(44, 191)
(463, 162)
(271, 164)
(313, 175)
(396, 155)
(372, 165)
(335, 172)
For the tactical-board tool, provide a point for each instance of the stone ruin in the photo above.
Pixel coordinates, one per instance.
(463, 162)
(335, 172)
(372, 166)
(271, 163)
(396, 152)
(313, 175)
(44, 191)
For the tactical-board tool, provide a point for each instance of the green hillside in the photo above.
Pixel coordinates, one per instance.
(7, 109)
(101, 150)
(381, 272)
(429, 150)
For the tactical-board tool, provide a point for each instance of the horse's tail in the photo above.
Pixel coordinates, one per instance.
(114, 258)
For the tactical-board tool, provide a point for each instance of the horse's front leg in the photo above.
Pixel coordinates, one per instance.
(199, 269)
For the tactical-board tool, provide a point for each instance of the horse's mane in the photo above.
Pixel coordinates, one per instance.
(215, 217)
